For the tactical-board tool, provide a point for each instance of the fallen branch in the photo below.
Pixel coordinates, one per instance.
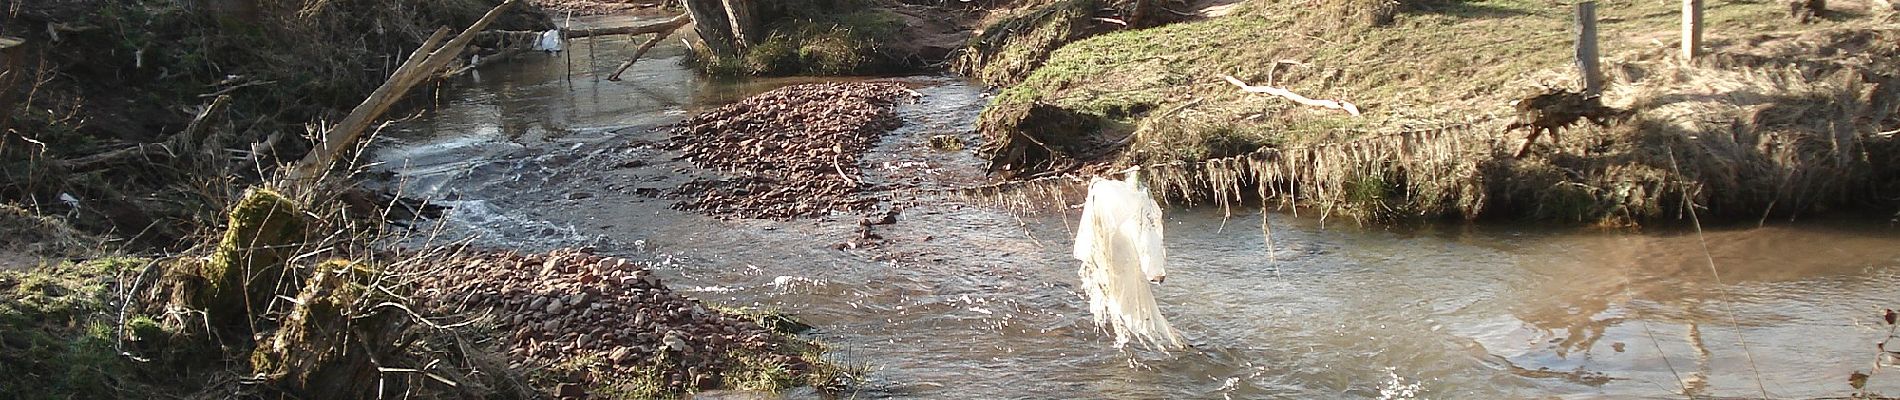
(478, 62)
(193, 138)
(660, 32)
(148, 152)
(188, 142)
(432, 56)
(1296, 97)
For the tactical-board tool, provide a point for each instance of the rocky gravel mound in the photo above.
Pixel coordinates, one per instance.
(788, 153)
(613, 316)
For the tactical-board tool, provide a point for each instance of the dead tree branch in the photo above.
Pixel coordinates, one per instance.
(432, 56)
(1295, 97)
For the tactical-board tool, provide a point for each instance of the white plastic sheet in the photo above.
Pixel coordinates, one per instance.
(1120, 245)
(550, 41)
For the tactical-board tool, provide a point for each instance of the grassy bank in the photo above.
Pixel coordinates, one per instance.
(1778, 119)
(61, 341)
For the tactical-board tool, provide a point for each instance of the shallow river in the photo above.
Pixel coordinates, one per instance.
(972, 301)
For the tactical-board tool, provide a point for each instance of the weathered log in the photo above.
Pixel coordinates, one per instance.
(1295, 97)
(657, 27)
(141, 152)
(478, 63)
(432, 57)
(194, 138)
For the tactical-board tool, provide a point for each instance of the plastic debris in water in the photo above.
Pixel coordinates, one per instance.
(550, 41)
(1119, 243)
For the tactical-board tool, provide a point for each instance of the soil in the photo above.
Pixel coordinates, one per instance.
(789, 153)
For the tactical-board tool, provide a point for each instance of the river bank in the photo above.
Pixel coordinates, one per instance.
(1774, 120)
(971, 297)
(125, 272)
(544, 232)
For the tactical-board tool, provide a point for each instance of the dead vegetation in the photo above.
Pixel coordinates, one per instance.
(294, 300)
(288, 293)
(150, 115)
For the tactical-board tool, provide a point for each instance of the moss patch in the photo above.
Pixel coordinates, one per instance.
(320, 348)
(60, 341)
(248, 267)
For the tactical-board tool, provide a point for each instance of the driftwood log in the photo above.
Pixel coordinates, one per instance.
(1556, 109)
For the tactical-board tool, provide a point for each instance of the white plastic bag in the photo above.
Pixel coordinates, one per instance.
(1119, 242)
(550, 41)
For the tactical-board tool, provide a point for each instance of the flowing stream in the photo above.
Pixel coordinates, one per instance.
(972, 301)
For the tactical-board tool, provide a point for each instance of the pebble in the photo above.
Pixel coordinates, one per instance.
(552, 314)
(793, 152)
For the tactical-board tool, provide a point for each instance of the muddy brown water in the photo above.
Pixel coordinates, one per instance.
(971, 301)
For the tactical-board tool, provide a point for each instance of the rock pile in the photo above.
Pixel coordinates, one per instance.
(789, 153)
(570, 305)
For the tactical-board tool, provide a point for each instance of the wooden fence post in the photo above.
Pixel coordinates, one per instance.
(1587, 48)
(1691, 29)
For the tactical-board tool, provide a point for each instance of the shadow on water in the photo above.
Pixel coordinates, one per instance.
(967, 301)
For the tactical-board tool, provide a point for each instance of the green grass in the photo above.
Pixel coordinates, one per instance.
(59, 333)
(817, 43)
(1445, 73)
(1439, 60)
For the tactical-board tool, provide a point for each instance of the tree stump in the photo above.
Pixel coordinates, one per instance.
(324, 348)
(246, 270)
